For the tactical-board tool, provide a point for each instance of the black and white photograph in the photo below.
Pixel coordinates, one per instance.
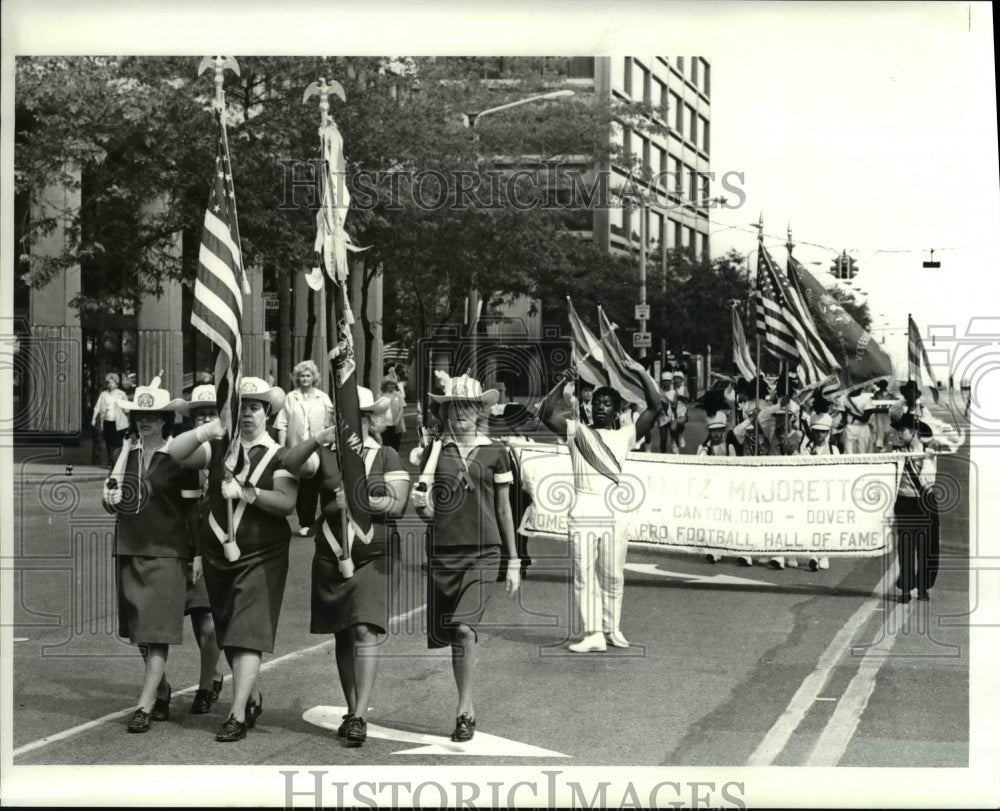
(454, 406)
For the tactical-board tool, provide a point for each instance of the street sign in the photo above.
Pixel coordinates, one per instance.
(270, 301)
(642, 340)
(641, 312)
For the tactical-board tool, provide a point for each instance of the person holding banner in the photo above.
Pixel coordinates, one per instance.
(202, 408)
(352, 601)
(156, 504)
(246, 589)
(597, 537)
(468, 501)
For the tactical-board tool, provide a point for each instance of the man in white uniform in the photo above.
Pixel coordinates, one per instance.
(597, 543)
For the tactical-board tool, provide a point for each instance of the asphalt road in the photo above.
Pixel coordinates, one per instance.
(729, 666)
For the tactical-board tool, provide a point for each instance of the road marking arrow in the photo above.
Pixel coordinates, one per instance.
(482, 744)
(721, 579)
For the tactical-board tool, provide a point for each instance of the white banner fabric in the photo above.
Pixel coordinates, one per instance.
(792, 505)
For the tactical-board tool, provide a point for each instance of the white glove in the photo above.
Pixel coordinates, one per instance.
(513, 575)
(231, 488)
(420, 499)
(415, 455)
(210, 430)
(112, 496)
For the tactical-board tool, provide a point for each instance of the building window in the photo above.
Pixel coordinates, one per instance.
(655, 233)
(690, 245)
(627, 76)
(647, 165)
(704, 245)
(680, 65)
(580, 67)
(661, 101)
(642, 80)
(694, 71)
(678, 176)
(679, 116)
(618, 73)
(615, 219)
(704, 135)
(678, 235)
(693, 132)
(706, 83)
(693, 187)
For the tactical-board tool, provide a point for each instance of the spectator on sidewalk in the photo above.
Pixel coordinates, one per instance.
(109, 417)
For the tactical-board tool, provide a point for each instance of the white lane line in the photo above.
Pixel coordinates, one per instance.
(268, 665)
(844, 722)
(779, 734)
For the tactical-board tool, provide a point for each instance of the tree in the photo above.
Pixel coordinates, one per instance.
(140, 131)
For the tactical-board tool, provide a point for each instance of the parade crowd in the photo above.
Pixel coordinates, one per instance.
(203, 531)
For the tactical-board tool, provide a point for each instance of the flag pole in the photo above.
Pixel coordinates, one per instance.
(221, 63)
(323, 90)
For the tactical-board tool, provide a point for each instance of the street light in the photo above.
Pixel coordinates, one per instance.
(470, 120)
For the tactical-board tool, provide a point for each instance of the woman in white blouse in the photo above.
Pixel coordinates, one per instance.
(109, 418)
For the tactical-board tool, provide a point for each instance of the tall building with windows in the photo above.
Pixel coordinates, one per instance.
(675, 161)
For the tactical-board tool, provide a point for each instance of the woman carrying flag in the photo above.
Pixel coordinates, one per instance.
(354, 584)
(469, 505)
(246, 593)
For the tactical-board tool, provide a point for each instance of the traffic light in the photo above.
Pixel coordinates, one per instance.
(844, 267)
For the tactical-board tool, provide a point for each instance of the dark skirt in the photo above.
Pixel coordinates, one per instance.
(197, 596)
(151, 595)
(338, 604)
(460, 581)
(246, 595)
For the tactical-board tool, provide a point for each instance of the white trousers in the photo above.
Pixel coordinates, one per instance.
(598, 552)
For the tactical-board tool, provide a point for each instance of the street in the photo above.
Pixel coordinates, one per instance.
(729, 666)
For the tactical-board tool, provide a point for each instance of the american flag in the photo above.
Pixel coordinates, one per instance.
(816, 360)
(773, 316)
(217, 311)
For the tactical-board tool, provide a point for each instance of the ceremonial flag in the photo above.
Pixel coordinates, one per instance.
(860, 359)
(741, 352)
(587, 352)
(816, 361)
(624, 373)
(332, 243)
(917, 354)
(217, 310)
(773, 317)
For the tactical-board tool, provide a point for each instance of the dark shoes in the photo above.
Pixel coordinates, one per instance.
(139, 722)
(345, 722)
(357, 730)
(254, 711)
(232, 730)
(924, 596)
(465, 728)
(161, 707)
(905, 597)
(202, 702)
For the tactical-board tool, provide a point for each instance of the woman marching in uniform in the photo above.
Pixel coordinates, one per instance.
(469, 504)
(202, 408)
(156, 502)
(246, 588)
(351, 597)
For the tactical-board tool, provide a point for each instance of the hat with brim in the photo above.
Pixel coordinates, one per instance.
(822, 422)
(253, 388)
(910, 422)
(148, 399)
(717, 420)
(203, 396)
(368, 403)
(465, 389)
(909, 390)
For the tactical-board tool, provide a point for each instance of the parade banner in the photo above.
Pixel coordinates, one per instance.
(794, 505)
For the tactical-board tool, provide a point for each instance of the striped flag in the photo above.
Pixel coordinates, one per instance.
(859, 359)
(773, 316)
(332, 243)
(624, 373)
(588, 354)
(217, 310)
(741, 352)
(917, 355)
(816, 361)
